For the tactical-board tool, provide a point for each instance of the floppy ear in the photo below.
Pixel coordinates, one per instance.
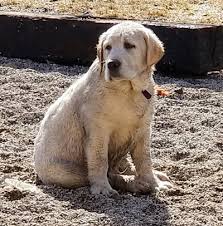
(155, 49)
(100, 52)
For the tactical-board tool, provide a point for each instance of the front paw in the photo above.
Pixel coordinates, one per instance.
(156, 181)
(103, 188)
(162, 181)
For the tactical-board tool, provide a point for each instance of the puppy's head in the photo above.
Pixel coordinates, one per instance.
(128, 49)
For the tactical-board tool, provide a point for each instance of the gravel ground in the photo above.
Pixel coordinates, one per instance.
(187, 143)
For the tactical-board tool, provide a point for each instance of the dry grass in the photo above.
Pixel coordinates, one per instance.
(182, 11)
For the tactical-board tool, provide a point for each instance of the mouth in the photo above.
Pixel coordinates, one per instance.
(113, 76)
(117, 78)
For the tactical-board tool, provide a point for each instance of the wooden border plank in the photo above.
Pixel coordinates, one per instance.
(190, 49)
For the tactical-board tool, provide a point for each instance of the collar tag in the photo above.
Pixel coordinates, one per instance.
(146, 94)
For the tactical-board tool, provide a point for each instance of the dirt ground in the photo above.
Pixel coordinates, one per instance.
(179, 11)
(187, 143)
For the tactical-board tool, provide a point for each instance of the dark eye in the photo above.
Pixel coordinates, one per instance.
(108, 47)
(128, 45)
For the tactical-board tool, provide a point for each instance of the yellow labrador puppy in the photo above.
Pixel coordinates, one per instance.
(98, 132)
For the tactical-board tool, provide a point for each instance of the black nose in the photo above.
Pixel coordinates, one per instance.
(114, 65)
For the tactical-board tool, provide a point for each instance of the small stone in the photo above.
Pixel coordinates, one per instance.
(219, 188)
(179, 91)
(175, 192)
(12, 193)
(22, 186)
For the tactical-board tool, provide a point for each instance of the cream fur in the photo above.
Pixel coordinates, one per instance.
(88, 132)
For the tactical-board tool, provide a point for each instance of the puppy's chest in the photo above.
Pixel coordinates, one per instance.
(127, 118)
(127, 110)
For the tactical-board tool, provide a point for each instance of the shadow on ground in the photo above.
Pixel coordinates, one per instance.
(125, 209)
(212, 81)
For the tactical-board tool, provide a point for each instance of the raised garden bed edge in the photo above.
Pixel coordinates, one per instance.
(190, 49)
